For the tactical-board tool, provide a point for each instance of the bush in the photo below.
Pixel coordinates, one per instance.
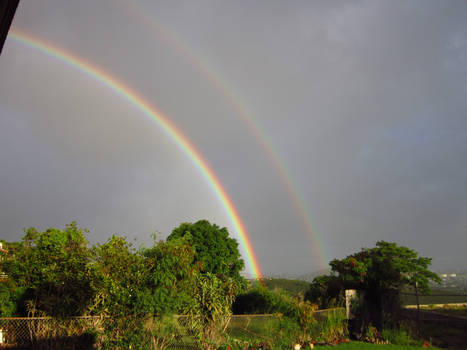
(333, 328)
(260, 300)
(401, 335)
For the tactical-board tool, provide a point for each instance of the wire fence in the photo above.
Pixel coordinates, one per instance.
(27, 330)
(21, 331)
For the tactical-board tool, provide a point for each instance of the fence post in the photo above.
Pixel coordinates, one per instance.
(350, 297)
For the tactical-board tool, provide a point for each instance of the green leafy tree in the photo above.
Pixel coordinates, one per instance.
(387, 266)
(217, 252)
(170, 278)
(7, 298)
(382, 272)
(120, 273)
(7, 287)
(51, 270)
(326, 291)
(139, 288)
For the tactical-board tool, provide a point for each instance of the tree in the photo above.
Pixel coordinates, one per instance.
(387, 266)
(382, 272)
(51, 270)
(170, 279)
(326, 291)
(217, 252)
(120, 273)
(139, 288)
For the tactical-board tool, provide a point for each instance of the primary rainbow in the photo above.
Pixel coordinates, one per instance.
(223, 88)
(162, 121)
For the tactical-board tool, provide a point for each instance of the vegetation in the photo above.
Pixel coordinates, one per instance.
(55, 273)
(326, 291)
(380, 273)
(387, 266)
(289, 286)
(136, 293)
(49, 273)
(217, 252)
(437, 296)
(450, 310)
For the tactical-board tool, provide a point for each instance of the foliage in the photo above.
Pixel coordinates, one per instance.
(170, 280)
(7, 298)
(290, 286)
(260, 300)
(163, 331)
(387, 266)
(381, 273)
(210, 313)
(297, 315)
(326, 291)
(52, 270)
(120, 274)
(217, 252)
(399, 336)
(331, 329)
(134, 285)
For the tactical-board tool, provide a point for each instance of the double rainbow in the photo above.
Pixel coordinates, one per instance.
(176, 43)
(127, 93)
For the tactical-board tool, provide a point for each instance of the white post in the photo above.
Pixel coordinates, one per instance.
(350, 297)
(1, 336)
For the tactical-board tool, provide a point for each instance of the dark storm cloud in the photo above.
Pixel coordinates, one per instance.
(363, 101)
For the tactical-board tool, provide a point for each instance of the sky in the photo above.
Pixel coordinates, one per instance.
(331, 125)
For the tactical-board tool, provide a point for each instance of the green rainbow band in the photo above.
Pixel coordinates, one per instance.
(162, 121)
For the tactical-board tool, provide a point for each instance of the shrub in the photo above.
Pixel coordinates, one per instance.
(402, 335)
(260, 300)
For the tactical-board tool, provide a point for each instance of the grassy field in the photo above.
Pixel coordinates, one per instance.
(438, 296)
(451, 310)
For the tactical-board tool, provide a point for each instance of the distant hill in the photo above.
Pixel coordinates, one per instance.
(292, 287)
(310, 276)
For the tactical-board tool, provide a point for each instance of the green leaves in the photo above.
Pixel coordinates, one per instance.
(215, 250)
(386, 266)
(52, 269)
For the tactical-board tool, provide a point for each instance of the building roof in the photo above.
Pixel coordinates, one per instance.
(7, 12)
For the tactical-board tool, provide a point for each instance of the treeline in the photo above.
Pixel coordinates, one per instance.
(57, 273)
(135, 291)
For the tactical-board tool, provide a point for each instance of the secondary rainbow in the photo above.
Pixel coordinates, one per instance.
(222, 87)
(162, 121)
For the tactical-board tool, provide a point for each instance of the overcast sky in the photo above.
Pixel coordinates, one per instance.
(364, 104)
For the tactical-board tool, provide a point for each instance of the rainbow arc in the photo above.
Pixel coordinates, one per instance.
(171, 130)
